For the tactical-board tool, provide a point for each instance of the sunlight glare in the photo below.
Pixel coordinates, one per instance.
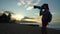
(17, 17)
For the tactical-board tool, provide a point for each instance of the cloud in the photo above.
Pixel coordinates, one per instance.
(22, 2)
(29, 8)
(37, 2)
(28, 3)
(56, 20)
(35, 19)
(19, 4)
(17, 16)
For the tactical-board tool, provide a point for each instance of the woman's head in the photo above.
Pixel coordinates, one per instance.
(45, 6)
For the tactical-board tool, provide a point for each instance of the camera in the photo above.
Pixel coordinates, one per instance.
(37, 7)
(44, 6)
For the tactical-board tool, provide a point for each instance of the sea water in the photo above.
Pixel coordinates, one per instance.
(55, 25)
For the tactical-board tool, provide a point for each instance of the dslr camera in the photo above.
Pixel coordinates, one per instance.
(44, 6)
(37, 7)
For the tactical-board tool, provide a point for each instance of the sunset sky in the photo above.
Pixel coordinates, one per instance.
(25, 7)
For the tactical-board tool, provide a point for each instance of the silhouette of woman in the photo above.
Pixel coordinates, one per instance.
(46, 17)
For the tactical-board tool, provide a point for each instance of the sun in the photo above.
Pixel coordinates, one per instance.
(17, 17)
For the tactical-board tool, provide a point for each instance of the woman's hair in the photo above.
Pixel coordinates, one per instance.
(45, 6)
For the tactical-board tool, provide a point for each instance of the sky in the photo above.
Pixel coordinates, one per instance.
(25, 7)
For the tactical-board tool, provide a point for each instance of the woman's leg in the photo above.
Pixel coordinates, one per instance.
(44, 26)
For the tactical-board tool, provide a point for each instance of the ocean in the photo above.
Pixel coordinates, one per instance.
(55, 25)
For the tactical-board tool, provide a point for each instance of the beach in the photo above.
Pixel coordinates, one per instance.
(12, 28)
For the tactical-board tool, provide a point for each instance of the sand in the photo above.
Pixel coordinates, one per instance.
(6, 28)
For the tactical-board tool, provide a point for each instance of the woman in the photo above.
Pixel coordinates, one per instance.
(46, 17)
